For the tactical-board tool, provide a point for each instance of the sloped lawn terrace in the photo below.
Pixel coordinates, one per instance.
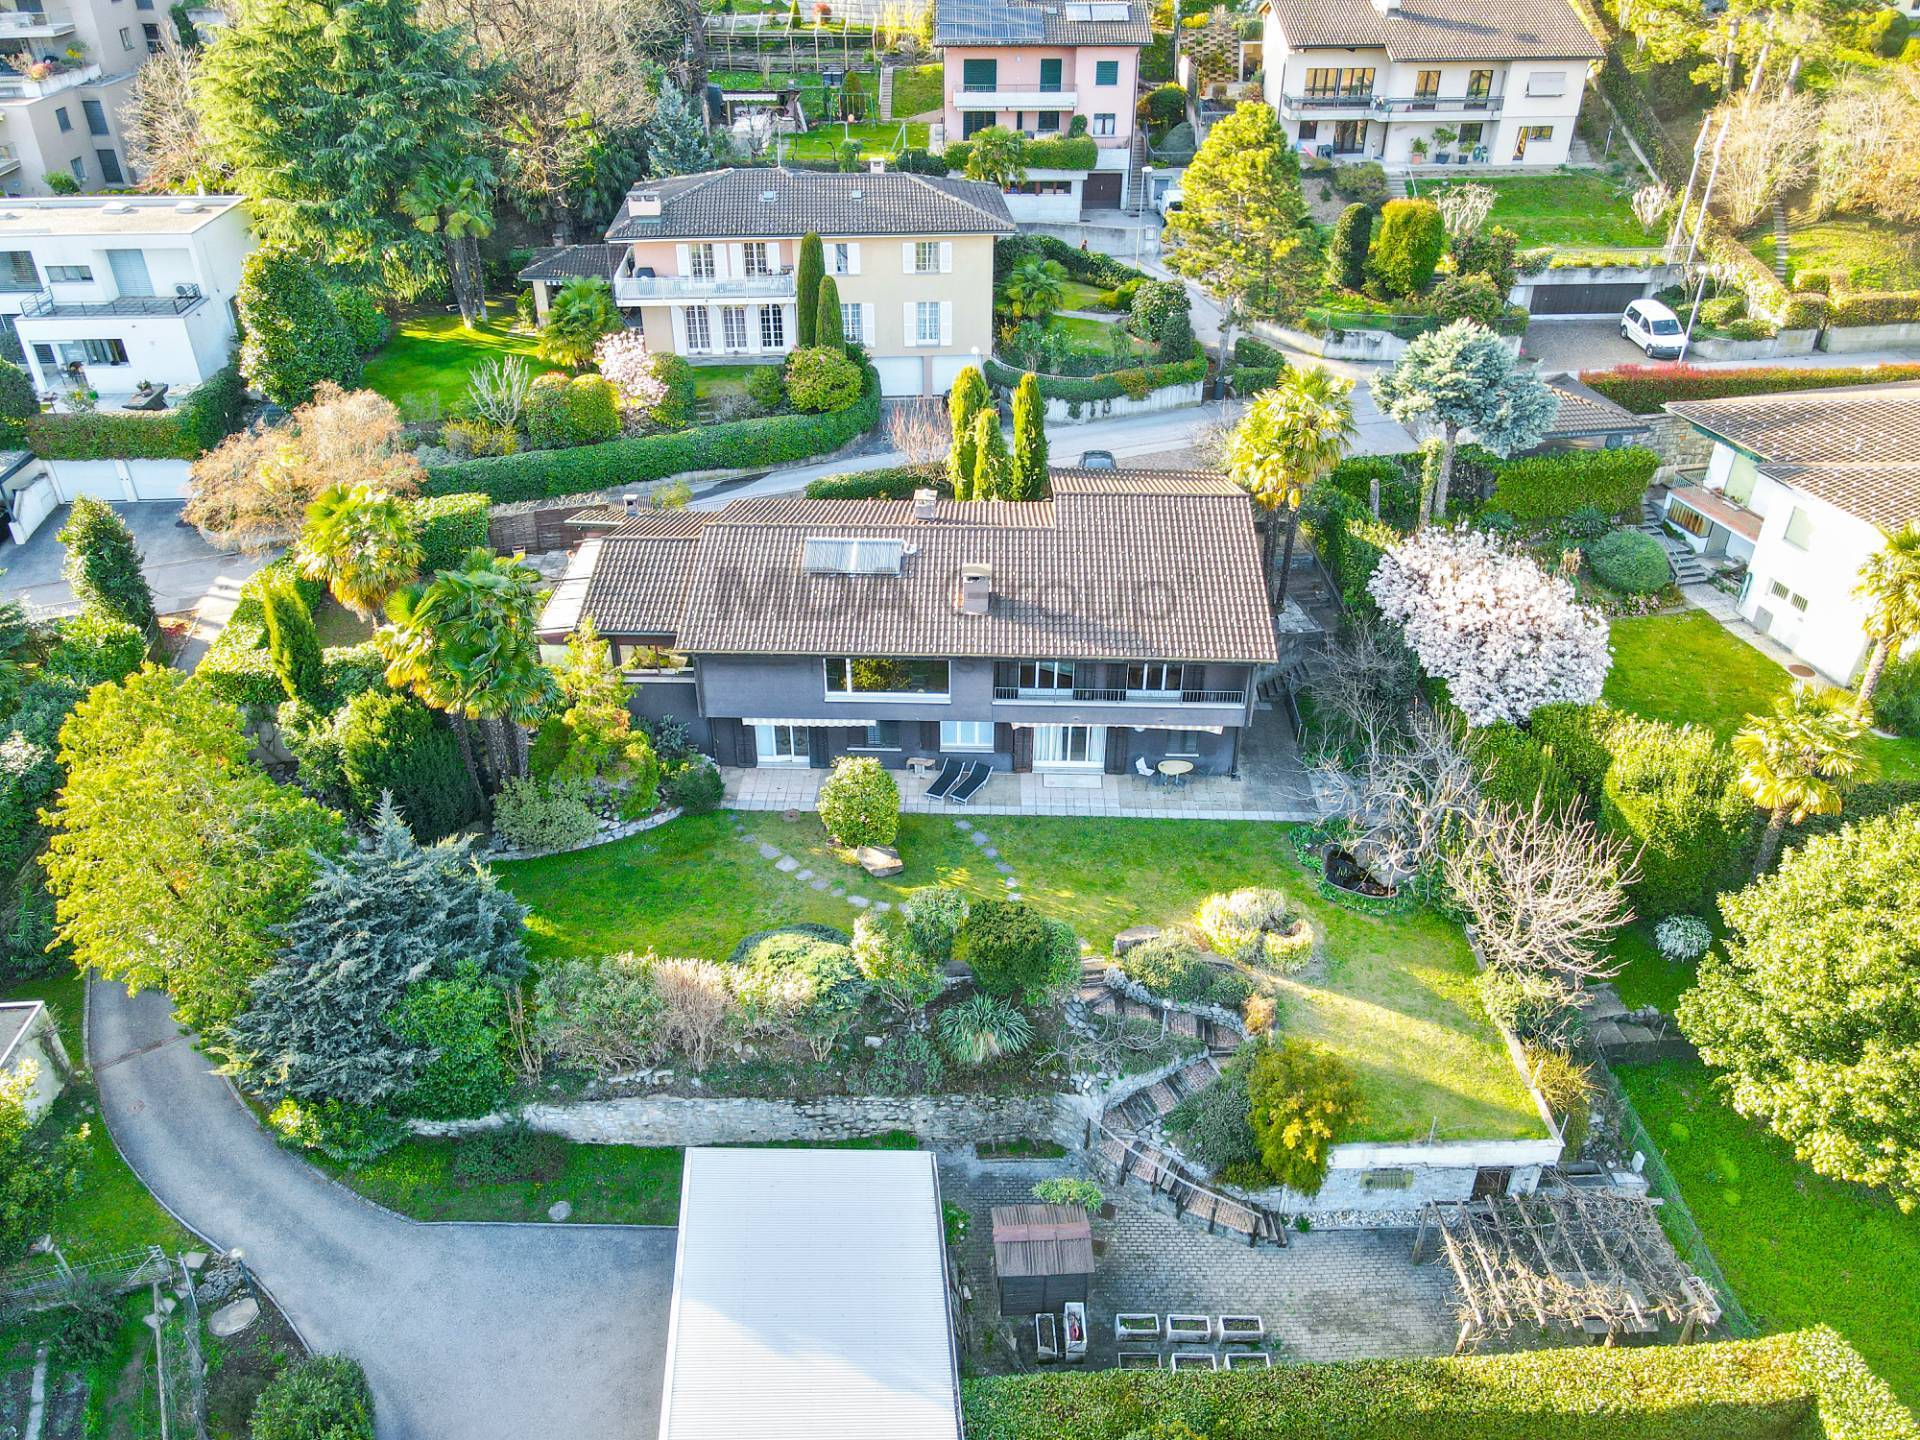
(1393, 995)
(1567, 209)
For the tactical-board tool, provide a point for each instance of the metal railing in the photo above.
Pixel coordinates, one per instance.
(44, 304)
(628, 288)
(1393, 104)
(1099, 695)
(33, 22)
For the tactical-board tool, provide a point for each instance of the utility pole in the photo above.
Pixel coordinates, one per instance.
(1706, 198)
(1680, 214)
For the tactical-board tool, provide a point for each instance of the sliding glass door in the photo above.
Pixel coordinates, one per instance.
(1069, 747)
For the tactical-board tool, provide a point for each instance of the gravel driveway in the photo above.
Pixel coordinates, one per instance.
(467, 1332)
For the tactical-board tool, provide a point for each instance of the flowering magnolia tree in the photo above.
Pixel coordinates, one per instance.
(623, 359)
(1506, 636)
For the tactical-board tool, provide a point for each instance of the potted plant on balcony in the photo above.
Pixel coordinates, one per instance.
(1443, 138)
(1418, 150)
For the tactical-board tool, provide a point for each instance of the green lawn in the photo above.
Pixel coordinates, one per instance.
(917, 90)
(1395, 997)
(338, 625)
(1797, 1249)
(712, 381)
(1078, 295)
(429, 357)
(1687, 667)
(1874, 254)
(1570, 209)
(877, 138)
(1093, 337)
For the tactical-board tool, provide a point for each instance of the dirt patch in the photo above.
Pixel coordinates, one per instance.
(240, 1368)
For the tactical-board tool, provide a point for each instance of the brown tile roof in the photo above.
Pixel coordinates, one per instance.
(734, 204)
(1856, 448)
(1041, 22)
(1442, 29)
(567, 262)
(1587, 412)
(1126, 564)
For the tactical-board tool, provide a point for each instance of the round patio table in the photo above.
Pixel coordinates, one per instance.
(1175, 770)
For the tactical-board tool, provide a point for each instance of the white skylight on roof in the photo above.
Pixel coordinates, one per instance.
(853, 557)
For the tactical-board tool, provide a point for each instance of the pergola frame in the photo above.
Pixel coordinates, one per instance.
(1592, 1263)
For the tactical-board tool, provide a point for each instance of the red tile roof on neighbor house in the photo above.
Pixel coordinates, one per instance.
(1441, 29)
(1125, 564)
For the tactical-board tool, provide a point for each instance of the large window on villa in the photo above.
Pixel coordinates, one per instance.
(700, 261)
(699, 332)
(754, 252)
(885, 677)
(17, 271)
(773, 327)
(1156, 677)
(966, 735)
(979, 74)
(733, 325)
(1044, 675)
(1340, 84)
(1480, 84)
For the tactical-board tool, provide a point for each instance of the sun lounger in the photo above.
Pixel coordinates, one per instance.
(970, 783)
(948, 777)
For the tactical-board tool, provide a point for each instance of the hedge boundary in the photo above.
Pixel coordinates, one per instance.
(198, 423)
(1545, 487)
(738, 444)
(1643, 389)
(1134, 383)
(1804, 1385)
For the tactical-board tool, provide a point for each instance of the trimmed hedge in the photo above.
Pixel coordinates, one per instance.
(1348, 540)
(1089, 266)
(449, 526)
(186, 432)
(1135, 383)
(1643, 389)
(238, 668)
(1874, 307)
(738, 444)
(1545, 487)
(1068, 152)
(1805, 1385)
(897, 483)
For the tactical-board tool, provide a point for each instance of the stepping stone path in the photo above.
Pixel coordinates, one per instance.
(559, 1211)
(785, 864)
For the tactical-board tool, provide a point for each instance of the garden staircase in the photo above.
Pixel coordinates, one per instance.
(1137, 157)
(886, 92)
(1780, 240)
(1688, 568)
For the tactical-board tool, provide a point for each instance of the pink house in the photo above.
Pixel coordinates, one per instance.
(1037, 65)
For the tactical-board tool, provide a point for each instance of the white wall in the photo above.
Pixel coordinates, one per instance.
(40, 1050)
(1830, 634)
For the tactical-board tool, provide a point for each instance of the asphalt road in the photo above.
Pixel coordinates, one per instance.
(467, 1332)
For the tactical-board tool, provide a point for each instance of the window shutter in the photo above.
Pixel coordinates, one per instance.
(946, 257)
(736, 260)
(1116, 758)
(911, 322)
(773, 256)
(853, 258)
(866, 322)
(946, 322)
(679, 329)
(680, 260)
(906, 256)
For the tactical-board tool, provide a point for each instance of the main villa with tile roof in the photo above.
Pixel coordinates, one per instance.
(1802, 488)
(1366, 79)
(1060, 635)
(704, 265)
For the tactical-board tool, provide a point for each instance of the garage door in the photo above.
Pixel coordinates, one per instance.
(1101, 191)
(899, 374)
(946, 369)
(99, 479)
(1584, 299)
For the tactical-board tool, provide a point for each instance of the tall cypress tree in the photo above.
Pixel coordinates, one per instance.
(103, 563)
(829, 333)
(806, 295)
(992, 466)
(293, 643)
(1029, 459)
(964, 401)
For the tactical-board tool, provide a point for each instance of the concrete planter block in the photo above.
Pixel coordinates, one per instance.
(1140, 1360)
(1189, 1329)
(1257, 1360)
(1136, 1327)
(1202, 1361)
(1242, 1329)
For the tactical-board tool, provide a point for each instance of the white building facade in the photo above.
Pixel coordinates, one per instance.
(67, 84)
(110, 294)
(1415, 82)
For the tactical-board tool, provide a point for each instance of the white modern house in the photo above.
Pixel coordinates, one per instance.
(108, 293)
(68, 79)
(30, 1047)
(1368, 79)
(1802, 488)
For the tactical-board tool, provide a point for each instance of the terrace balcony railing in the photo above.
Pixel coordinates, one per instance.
(639, 289)
(46, 305)
(1101, 695)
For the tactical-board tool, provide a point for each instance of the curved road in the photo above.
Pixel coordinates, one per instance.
(467, 1332)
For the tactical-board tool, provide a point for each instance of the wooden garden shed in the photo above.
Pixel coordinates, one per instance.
(1043, 1256)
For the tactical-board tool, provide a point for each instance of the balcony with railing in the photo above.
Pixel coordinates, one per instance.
(16, 86)
(1005, 95)
(657, 289)
(1312, 105)
(1101, 695)
(34, 24)
(47, 306)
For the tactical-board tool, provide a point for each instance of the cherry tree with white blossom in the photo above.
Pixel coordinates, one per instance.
(624, 361)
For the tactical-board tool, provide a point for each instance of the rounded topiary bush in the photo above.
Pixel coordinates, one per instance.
(1630, 562)
(1175, 967)
(860, 803)
(822, 379)
(1682, 939)
(321, 1398)
(1257, 927)
(800, 973)
(1015, 951)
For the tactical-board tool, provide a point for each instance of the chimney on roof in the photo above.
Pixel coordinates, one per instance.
(1387, 7)
(644, 205)
(976, 589)
(631, 502)
(923, 504)
(877, 165)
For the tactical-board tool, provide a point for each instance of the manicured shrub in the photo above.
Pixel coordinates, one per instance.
(1175, 967)
(1631, 562)
(983, 1028)
(860, 802)
(1349, 541)
(448, 526)
(292, 337)
(1347, 254)
(361, 311)
(1576, 736)
(1365, 182)
(1546, 487)
(1643, 389)
(1013, 951)
(695, 786)
(324, 1397)
(95, 648)
(821, 380)
(1469, 297)
(767, 387)
(1135, 382)
(1491, 253)
(934, 915)
(563, 412)
(1256, 927)
(1515, 769)
(293, 643)
(799, 979)
(392, 744)
(1164, 106)
(1682, 939)
(1411, 239)
(886, 484)
(1896, 699)
(103, 563)
(832, 320)
(532, 816)
(462, 1020)
(1300, 1098)
(1671, 793)
(809, 269)
(1875, 307)
(1160, 315)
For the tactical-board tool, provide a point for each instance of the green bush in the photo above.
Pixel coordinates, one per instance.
(562, 412)
(198, 423)
(1797, 1386)
(391, 743)
(860, 802)
(96, 648)
(1160, 314)
(1066, 152)
(1515, 769)
(448, 526)
(695, 786)
(1896, 699)
(324, 1397)
(1013, 952)
(982, 1028)
(1492, 253)
(1722, 309)
(890, 484)
(1644, 389)
(1875, 307)
(821, 381)
(1211, 1125)
(238, 668)
(1469, 297)
(1094, 267)
(934, 916)
(293, 643)
(1672, 794)
(1349, 541)
(1546, 487)
(463, 1022)
(1365, 182)
(1347, 252)
(363, 314)
(539, 816)
(292, 336)
(767, 387)
(1175, 968)
(1136, 383)
(1411, 240)
(103, 564)
(1577, 737)
(1164, 106)
(1300, 1099)
(740, 444)
(799, 977)
(676, 411)
(18, 400)
(1257, 927)
(344, 1132)
(1630, 561)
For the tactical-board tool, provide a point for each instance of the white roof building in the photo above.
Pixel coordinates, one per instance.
(810, 1299)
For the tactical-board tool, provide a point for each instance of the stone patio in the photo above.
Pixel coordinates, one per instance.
(1331, 1295)
(1273, 785)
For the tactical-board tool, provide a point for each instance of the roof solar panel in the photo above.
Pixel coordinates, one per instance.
(852, 557)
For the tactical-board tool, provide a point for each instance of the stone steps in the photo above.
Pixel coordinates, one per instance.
(886, 92)
(1780, 240)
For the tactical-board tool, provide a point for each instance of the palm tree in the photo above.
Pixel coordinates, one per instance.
(1795, 760)
(362, 543)
(1034, 288)
(1291, 436)
(465, 643)
(1890, 584)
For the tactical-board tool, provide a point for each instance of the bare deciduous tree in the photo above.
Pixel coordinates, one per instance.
(1363, 690)
(164, 140)
(1464, 209)
(1409, 804)
(1769, 151)
(1866, 158)
(1650, 202)
(697, 1006)
(1545, 891)
(918, 430)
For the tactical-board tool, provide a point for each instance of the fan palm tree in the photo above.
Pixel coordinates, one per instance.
(465, 643)
(1033, 289)
(1890, 584)
(362, 543)
(1794, 761)
(1291, 436)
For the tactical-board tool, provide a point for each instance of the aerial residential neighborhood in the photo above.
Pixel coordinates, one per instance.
(1040, 720)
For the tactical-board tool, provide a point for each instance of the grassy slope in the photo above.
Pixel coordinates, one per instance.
(430, 355)
(1797, 1249)
(917, 90)
(1567, 209)
(1396, 996)
(1875, 254)
(877, 138)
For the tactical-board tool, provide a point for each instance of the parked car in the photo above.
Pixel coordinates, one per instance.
(1654, 328)
(1170, 200)
(1098, 460)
